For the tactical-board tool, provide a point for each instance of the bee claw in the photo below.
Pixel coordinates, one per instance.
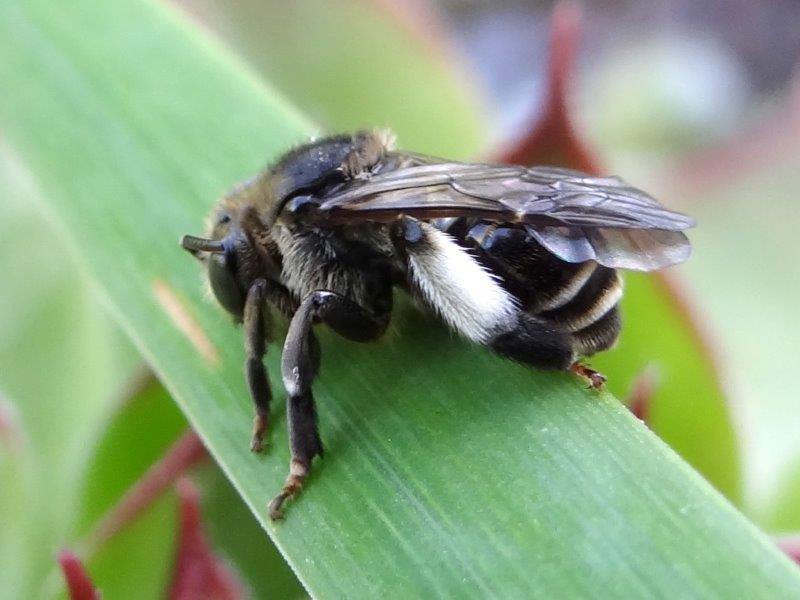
(298, 470)
(596, 379)
(256, 446)
(274, 508)
(260, 424)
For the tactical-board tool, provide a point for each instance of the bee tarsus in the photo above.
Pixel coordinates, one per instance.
(298, 471)
(596, 379)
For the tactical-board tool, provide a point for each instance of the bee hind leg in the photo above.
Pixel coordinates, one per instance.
(536, 343)
(541, 345)
(299, 366)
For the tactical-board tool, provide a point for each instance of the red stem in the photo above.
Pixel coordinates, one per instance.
(790, 544)
(79, 585)
(198, 572)
(184, 454)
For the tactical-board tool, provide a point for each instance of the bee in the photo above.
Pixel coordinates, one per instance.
(521, 260)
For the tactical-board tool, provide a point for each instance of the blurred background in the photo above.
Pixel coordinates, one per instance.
(697, 102)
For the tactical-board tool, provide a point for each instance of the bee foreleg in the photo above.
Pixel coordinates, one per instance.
(299, 365)
(255, 344)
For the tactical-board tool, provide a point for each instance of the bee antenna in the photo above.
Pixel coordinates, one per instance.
(194, 244)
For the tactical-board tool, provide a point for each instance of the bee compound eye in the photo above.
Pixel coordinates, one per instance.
(224, 285)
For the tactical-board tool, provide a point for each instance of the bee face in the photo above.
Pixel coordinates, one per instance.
(238, 248)
(224, 266)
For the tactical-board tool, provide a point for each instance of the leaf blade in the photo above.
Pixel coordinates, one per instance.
(554, 476)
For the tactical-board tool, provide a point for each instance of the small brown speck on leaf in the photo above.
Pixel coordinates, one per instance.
(185, 322)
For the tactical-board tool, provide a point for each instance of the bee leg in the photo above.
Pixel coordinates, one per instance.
(255, 343)
(299, 365)
(304, 443)
(596, 379)
(535, 343)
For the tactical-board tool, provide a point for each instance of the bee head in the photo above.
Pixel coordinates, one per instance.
(236, 252)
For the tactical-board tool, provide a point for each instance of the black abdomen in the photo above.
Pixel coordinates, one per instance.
(581, 298)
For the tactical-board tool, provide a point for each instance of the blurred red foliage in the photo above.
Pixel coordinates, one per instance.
(79, 584)
(198, 572)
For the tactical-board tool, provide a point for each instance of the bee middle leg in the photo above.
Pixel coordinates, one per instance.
(299, 366)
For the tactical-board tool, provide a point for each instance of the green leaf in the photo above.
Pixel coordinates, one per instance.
(142, 430)
(138, 435)
(137, 562)
(742, 271)
(449, 471)
(687, 408)
(141, 551)
(61, 362)
(784, 512)
(348, 66)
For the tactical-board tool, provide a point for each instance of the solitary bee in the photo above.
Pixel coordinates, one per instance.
(521, 260)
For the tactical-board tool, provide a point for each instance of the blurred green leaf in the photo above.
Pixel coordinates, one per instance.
(687, 408)
(456, 477)
(138, 435)
(348, 66)
(743, 268)
(783, 515)
(61, 363)
(17, 487)
(144, 428)
(142, 551)
(137, 562)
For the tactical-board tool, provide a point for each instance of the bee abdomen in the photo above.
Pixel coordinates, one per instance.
(536, 277)
(600, 335)
(598, 295)
(579, 298)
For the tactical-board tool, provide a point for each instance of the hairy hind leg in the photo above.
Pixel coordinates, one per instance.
(471, 301)
(536, 343)
(541, 345)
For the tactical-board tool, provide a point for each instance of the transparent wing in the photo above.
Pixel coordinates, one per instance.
(576, 216)
(636, 249)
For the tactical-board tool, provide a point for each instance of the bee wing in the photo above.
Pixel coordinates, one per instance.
(635, 249)
(574, 215)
